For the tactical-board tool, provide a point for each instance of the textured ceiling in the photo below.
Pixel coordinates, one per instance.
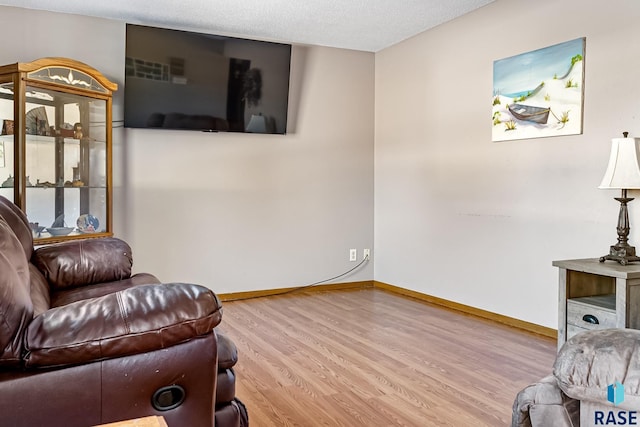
(368, 25)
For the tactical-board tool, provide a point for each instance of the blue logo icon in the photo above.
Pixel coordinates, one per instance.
(615, 393)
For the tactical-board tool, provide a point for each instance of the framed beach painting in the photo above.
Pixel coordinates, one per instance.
(539, 93)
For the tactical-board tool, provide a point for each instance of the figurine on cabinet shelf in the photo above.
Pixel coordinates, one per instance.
(59, 228)
(37, 122)
(37, 229)
(8, 182)
(87, 223)
(58, 222)
(7, 127)
(45, 184)
(77, 131)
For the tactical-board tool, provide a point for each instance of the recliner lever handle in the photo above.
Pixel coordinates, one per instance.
(167, 398)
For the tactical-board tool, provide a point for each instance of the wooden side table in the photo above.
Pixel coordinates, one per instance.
(596, 295)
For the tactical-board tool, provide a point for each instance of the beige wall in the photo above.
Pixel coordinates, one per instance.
(234, 212)
(476, 222)
(456, 216)
(246, 212)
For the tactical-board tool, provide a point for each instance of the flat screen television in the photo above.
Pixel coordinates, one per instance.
(186, 80)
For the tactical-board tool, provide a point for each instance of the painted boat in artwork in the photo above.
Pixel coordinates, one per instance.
(530, 113)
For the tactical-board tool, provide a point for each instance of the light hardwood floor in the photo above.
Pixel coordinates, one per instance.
(373, 358)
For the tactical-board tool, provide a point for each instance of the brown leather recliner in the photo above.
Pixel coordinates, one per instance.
(83, 342)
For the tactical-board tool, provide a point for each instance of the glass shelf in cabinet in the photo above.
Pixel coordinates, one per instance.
(48, 139)
(67, 187)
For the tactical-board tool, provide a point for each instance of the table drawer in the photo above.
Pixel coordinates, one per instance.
(589, 316)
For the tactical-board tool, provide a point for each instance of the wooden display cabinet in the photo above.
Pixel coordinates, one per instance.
(55, 147)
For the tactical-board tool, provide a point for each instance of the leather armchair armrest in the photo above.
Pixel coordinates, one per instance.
(134, 320)
(84, 262)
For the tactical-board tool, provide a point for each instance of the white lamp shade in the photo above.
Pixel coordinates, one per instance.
(257, 124)
(623, 171)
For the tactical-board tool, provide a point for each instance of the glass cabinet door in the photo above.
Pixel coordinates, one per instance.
(7, 173)
(65, 163)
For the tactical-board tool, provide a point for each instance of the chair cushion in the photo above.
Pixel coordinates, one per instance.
(16, 310)
(69, 295)
(40, 297)
(19, 223)
(84, 262)
(591, 361)
(134, 320)
(227, 352)
(233, 413)
(225, 386)
(227, 358)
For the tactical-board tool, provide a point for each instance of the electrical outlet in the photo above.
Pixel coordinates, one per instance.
(353, 254)
(366, 254)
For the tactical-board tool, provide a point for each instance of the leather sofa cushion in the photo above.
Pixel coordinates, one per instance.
(591, 361)
(226, 386)
(84, 262)
(227, 352)
(19, 224)
(227, 358)
(69, 295)
(16, 309)
(232, 414)
(40, 297)
(135, 320)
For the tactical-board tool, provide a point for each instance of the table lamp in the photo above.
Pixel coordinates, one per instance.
(257, 124)
(623, 172)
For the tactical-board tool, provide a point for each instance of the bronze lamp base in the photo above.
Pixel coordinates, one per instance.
(622, 252)
(623, 255)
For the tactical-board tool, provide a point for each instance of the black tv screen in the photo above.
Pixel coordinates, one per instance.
(185, 80)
